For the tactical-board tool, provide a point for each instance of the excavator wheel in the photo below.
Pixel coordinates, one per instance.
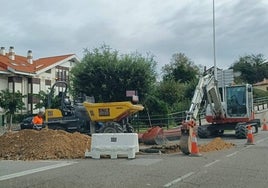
(186, 141)
(241, 130)
(111, 127)
(203, 131)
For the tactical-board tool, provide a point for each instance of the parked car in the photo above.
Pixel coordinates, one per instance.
(27, 123)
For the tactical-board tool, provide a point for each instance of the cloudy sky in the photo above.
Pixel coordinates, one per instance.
(161, 27)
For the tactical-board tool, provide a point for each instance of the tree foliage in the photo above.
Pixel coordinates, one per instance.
(42, 97)
(179, 82)
(252, 68)
(181, 69)
(172, 93)
(11, 102)
(154, 105)
(106, 75)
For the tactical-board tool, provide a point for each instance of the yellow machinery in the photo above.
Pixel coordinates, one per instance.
(113, 111)
(111, 117)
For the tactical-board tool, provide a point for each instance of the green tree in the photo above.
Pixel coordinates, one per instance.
(181, 69)
(11, 102)
(179, 82)
(253, 68)
(106, 75)
(42, 97)
(172, 93)
(154, 106)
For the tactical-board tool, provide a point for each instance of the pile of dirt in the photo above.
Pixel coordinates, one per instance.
(44, 144)
(215, 145)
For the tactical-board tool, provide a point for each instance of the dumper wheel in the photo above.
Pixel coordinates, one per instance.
(129, 128)
(111, 127)
(185, 142)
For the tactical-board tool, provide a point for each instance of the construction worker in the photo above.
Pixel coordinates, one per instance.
(38, 120)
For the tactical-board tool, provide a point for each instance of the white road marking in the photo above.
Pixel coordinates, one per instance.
(179, 179)
(209, 164)
(261, 140)
(232, 154)
(32, 171)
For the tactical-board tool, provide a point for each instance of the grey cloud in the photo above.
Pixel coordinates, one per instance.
(160, 27)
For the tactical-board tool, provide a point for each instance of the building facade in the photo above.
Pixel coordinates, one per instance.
(263, 85)
(29, 76)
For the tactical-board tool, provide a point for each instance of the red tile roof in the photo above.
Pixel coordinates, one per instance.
(264, 82)
(45, 62)
(20, 63)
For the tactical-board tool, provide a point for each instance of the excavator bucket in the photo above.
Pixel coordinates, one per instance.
(186, 139)
(154, 135)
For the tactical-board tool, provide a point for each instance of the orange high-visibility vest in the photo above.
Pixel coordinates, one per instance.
(37, 120)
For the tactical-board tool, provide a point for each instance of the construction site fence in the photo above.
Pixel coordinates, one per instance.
(260, 103)
(165, 121)
(175, 119)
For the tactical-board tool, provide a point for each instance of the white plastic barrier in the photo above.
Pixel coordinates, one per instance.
(113, 144)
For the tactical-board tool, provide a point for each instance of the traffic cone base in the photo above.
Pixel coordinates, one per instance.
(264, 126)
(194, 147)
(250, 139)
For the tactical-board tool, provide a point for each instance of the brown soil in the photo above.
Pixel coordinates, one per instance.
(57, 144)
(42, 145)
(215, 145)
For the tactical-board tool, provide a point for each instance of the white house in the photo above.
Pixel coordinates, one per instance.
(29, 76)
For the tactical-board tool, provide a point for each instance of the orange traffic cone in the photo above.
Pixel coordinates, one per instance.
(264, 126)
(194, 146)
(250, 139)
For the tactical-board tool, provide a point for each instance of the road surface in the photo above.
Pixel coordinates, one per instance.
(241, 166)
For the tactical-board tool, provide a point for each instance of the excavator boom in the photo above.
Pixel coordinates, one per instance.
(206, 91)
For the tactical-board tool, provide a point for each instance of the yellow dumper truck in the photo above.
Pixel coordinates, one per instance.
(86, 117)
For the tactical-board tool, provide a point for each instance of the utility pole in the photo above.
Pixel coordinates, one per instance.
(214, 46)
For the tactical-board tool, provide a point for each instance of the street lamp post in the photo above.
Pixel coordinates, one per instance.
(214, 46)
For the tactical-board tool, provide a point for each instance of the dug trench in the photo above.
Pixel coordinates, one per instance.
(48, 144)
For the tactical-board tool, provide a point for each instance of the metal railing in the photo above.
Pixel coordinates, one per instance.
(174, 119)
(260, 103)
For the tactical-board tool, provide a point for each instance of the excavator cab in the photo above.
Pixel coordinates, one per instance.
(239, 101)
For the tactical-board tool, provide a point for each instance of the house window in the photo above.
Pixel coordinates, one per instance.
(36, 80)
(15, 79)
(47, 82)
(62, 73)
(33, 99)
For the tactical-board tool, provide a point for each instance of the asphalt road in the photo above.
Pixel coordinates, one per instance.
(241, 166)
